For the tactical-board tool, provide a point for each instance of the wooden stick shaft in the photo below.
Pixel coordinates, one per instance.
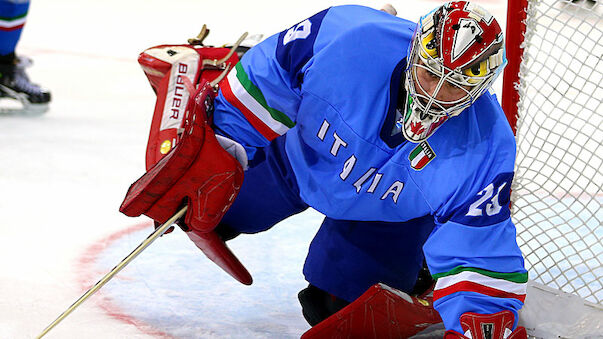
(149, 240)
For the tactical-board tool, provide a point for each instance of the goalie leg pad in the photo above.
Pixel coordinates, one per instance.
(381, 312)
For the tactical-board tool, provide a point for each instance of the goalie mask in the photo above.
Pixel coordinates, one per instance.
(455, 55)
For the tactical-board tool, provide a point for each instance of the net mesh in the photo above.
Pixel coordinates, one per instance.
(557, 192)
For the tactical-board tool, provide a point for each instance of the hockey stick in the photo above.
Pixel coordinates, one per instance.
(152, 237)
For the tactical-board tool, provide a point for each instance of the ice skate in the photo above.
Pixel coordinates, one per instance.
(18, 95)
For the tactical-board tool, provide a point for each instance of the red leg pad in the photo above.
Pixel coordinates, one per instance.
(381, 312)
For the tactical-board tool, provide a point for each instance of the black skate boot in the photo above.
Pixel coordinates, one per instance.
(15, 84)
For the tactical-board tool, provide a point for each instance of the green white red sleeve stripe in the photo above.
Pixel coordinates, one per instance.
(11, 24)
(469, 279)
(248, 98)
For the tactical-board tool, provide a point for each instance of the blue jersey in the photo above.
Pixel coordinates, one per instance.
(333, 84)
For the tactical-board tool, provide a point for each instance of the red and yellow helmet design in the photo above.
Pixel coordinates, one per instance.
(459, 44)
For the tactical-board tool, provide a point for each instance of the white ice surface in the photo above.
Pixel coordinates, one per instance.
(64, 174)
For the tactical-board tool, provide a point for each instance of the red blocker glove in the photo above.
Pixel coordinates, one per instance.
(198, 172)
(488, 326)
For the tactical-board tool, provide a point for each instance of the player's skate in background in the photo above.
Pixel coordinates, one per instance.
(15, 85)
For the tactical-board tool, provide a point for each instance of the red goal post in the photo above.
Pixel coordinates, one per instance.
(516, 15)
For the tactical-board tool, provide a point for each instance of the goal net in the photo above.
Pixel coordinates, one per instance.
(552, 94)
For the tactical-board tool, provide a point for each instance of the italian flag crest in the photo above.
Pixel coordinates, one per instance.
(421, 156)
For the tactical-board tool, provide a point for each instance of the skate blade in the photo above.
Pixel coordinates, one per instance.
(13, 107)
(14, 103)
